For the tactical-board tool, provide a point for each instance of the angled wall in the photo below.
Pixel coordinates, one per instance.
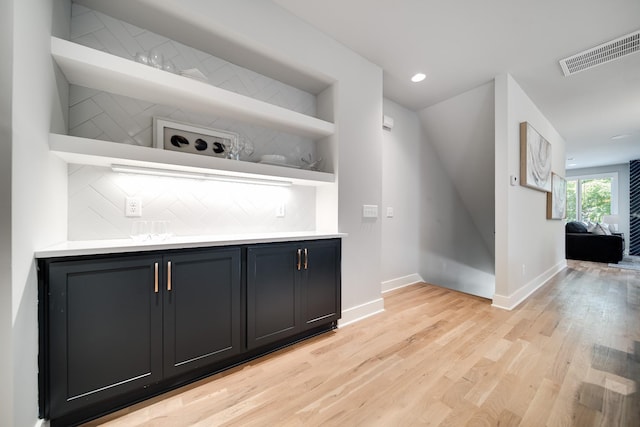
(457, 197)
(461, 130)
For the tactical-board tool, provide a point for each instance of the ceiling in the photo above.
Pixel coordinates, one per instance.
(462, 44)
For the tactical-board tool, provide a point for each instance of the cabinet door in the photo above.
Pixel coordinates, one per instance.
(273, 297)
(320, 292)
(202, 308)
(105, 330)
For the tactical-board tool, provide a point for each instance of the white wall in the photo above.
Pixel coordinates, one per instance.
(38, 197)
(529, 248)
(6, 355)
(461, 130)
(623, 192)
(400, 191)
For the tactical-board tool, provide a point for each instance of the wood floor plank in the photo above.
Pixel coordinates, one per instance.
(569, 356)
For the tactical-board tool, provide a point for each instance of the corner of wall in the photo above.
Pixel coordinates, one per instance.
(524, 255)
(509, 302)
(361, 312)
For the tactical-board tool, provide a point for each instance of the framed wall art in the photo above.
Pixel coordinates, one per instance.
(557, 199)
(188, 138)
(535, 159)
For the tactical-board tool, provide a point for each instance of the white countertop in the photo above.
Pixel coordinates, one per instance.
(96, 247)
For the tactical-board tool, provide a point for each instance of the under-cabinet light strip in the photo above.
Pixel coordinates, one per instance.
(140, 170)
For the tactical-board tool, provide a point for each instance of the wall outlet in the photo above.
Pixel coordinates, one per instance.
(370, 211)
(281, 210)
(133, 207)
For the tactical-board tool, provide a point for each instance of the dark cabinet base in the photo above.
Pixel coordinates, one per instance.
(116, 330)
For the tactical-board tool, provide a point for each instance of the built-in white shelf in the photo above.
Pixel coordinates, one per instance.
(95, 69)
(86, 151)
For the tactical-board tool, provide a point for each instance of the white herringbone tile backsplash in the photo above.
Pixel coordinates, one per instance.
(193, 207)
(97, 195)
(106, 116)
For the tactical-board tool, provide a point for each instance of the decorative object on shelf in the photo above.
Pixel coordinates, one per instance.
(241, 146)
(194, 73)
(557, 199)
(273, 158)
(276, 160)
(156, 230)
(154, 58)
(535, 159)
(187, 138)
(309, 163)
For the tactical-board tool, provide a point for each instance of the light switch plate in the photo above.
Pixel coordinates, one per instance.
(370, 211)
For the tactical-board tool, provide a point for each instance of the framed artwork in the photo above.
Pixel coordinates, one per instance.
(557, 199)
(187, 138)
(535, 159)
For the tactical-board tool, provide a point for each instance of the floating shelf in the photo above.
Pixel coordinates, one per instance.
(86, 151)
(95, 69)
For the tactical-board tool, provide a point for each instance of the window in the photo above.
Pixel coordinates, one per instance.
(589, 198)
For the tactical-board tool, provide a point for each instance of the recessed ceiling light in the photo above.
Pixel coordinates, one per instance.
(622, 136)
(418, 77)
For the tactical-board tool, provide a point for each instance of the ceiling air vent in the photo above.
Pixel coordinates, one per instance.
(601, 54)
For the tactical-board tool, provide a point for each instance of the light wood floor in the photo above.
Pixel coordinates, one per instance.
(568, 356)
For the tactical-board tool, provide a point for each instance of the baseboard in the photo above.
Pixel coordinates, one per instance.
(41, 423)
(362, 311)
(512, 301)
(400, 282)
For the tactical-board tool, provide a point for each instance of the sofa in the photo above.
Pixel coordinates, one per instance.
(583, 245)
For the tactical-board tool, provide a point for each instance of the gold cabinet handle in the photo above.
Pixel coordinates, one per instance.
(155, 286)
(169, 275)
(306, 259)
(299, 258)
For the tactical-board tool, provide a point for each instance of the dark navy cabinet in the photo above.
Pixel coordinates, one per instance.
(104, 330)
(291, 287)
(116, 329)
(320, 291)
(202, 309)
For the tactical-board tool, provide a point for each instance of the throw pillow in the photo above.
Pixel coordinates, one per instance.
(575, 227)
(609, 229)
(598, 230)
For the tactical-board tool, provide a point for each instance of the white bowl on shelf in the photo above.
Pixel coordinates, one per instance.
(273, 158)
